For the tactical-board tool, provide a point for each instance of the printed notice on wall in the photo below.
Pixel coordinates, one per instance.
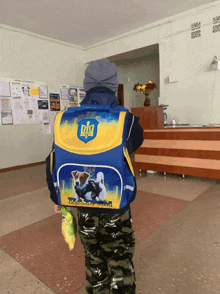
(5, 89)
(5, 104)
(43, 92)
(82, 94)
(6, 112)
(65, 104)
(54, 102)
(25, 104)
(64, 93)
(46, 128)
(16, 89)
(34, 92)
(74, 96)
(6, 118)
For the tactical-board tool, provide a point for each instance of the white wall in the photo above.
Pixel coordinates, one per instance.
(138, 70)
(194, 98)
(30, 57)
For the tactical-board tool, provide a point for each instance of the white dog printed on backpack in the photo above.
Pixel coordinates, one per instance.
(83, 183)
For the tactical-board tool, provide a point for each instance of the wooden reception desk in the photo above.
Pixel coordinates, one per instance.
(188, 151)
(151, 117)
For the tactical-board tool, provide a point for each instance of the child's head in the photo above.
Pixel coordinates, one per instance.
(101, 73)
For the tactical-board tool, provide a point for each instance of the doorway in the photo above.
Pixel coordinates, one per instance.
(120, 95)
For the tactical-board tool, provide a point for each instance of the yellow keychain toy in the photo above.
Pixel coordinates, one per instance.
(69, 229)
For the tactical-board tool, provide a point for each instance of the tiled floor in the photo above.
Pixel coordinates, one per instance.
(175, 186)
(176, 224)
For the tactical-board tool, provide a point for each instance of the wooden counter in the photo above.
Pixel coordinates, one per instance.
(151, 117)
(188, 151)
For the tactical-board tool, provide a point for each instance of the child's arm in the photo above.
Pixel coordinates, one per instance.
(135, 134)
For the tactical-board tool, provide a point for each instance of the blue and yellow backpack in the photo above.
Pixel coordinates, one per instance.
(92, 167)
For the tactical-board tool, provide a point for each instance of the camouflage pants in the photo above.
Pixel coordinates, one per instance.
(109, 244)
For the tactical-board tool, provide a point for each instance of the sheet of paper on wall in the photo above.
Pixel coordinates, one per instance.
(16, 103)
(82, 94)
(25, 103)
(25, 89)
(6, 111)
(42, 116)
(46, 128)
(54, 102)
(42, 104)
(5, 89)
(16, 90)
(74, 96)
(64, 93)
(33, 103)
(36, 116)
(5, 104)
(45, 116)
(19, 110)
(19, 116)
(43, 92)
(30, 116)
(6, 117)
(65, 104)
(34, 92)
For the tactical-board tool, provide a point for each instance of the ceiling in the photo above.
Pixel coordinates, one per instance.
(87, 22)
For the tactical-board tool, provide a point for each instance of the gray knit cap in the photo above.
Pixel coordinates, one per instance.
(101, 73)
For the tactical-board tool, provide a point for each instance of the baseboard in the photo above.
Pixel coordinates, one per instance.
(21, 166)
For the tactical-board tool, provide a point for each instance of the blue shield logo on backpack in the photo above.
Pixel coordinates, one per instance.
(87, 129)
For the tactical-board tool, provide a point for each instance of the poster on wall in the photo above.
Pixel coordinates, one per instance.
(54, 102)
(74, 96)
(46, 128)
(64, 105)
(43, 92)
(5, 89)
(6, 111)
(6, 118)
(45, 116)
(42, 104)
(82, 94)
(25, 89)
(26, 106)
(16, 89)
(5, 104)
(23, 106)
(34, 92)
(64, 93)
